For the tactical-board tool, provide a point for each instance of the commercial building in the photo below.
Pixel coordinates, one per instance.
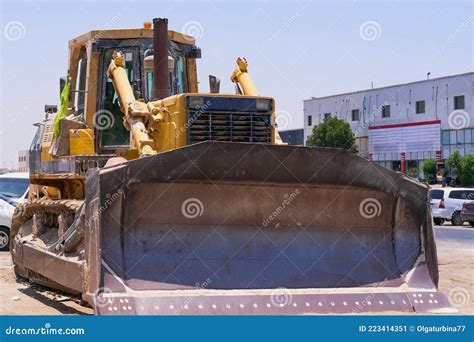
(293, 136)
(402, 125)
(23, 161)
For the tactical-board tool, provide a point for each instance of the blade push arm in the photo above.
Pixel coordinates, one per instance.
(135, 112)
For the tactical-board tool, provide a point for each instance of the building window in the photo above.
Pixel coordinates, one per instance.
(459, 102)
(310, 120)
(355, 115)
(385, 111)
(420, 107)
(327, 115)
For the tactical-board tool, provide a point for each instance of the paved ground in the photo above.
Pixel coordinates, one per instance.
(456, 265)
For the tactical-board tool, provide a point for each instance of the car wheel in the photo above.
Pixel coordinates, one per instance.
(438, 221)
(4, 239)
(457, 220)
(471, 223)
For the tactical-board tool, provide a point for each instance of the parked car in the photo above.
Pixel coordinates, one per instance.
(446, 204)
(467, 212)
(13, 190)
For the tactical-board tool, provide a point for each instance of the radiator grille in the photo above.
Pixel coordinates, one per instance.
(233, 126)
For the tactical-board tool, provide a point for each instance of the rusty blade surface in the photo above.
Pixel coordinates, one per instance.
(229, 216)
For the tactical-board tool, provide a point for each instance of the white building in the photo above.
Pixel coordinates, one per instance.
(411, 121)
(23, 161)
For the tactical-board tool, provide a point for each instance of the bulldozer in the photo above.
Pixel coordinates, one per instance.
(151, 198)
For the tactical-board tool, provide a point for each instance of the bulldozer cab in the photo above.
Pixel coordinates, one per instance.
(93, 97)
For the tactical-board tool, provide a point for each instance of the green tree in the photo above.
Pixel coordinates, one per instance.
(454, 161)
(333, 132)
(429, 168)
(466, 170)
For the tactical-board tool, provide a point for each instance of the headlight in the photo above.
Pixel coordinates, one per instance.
(195, 102)
(264, 104)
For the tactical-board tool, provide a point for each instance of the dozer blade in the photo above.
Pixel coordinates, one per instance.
(230, 228)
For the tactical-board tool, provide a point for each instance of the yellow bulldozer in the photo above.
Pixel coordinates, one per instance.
(150, 197)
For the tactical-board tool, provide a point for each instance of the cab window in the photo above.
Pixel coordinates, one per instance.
(109, 119)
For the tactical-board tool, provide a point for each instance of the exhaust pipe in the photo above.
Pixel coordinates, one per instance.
(160, 59)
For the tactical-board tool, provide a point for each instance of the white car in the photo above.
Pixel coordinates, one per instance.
(13, 190)
(446, 204)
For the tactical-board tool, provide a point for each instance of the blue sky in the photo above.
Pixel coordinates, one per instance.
(295, 49)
